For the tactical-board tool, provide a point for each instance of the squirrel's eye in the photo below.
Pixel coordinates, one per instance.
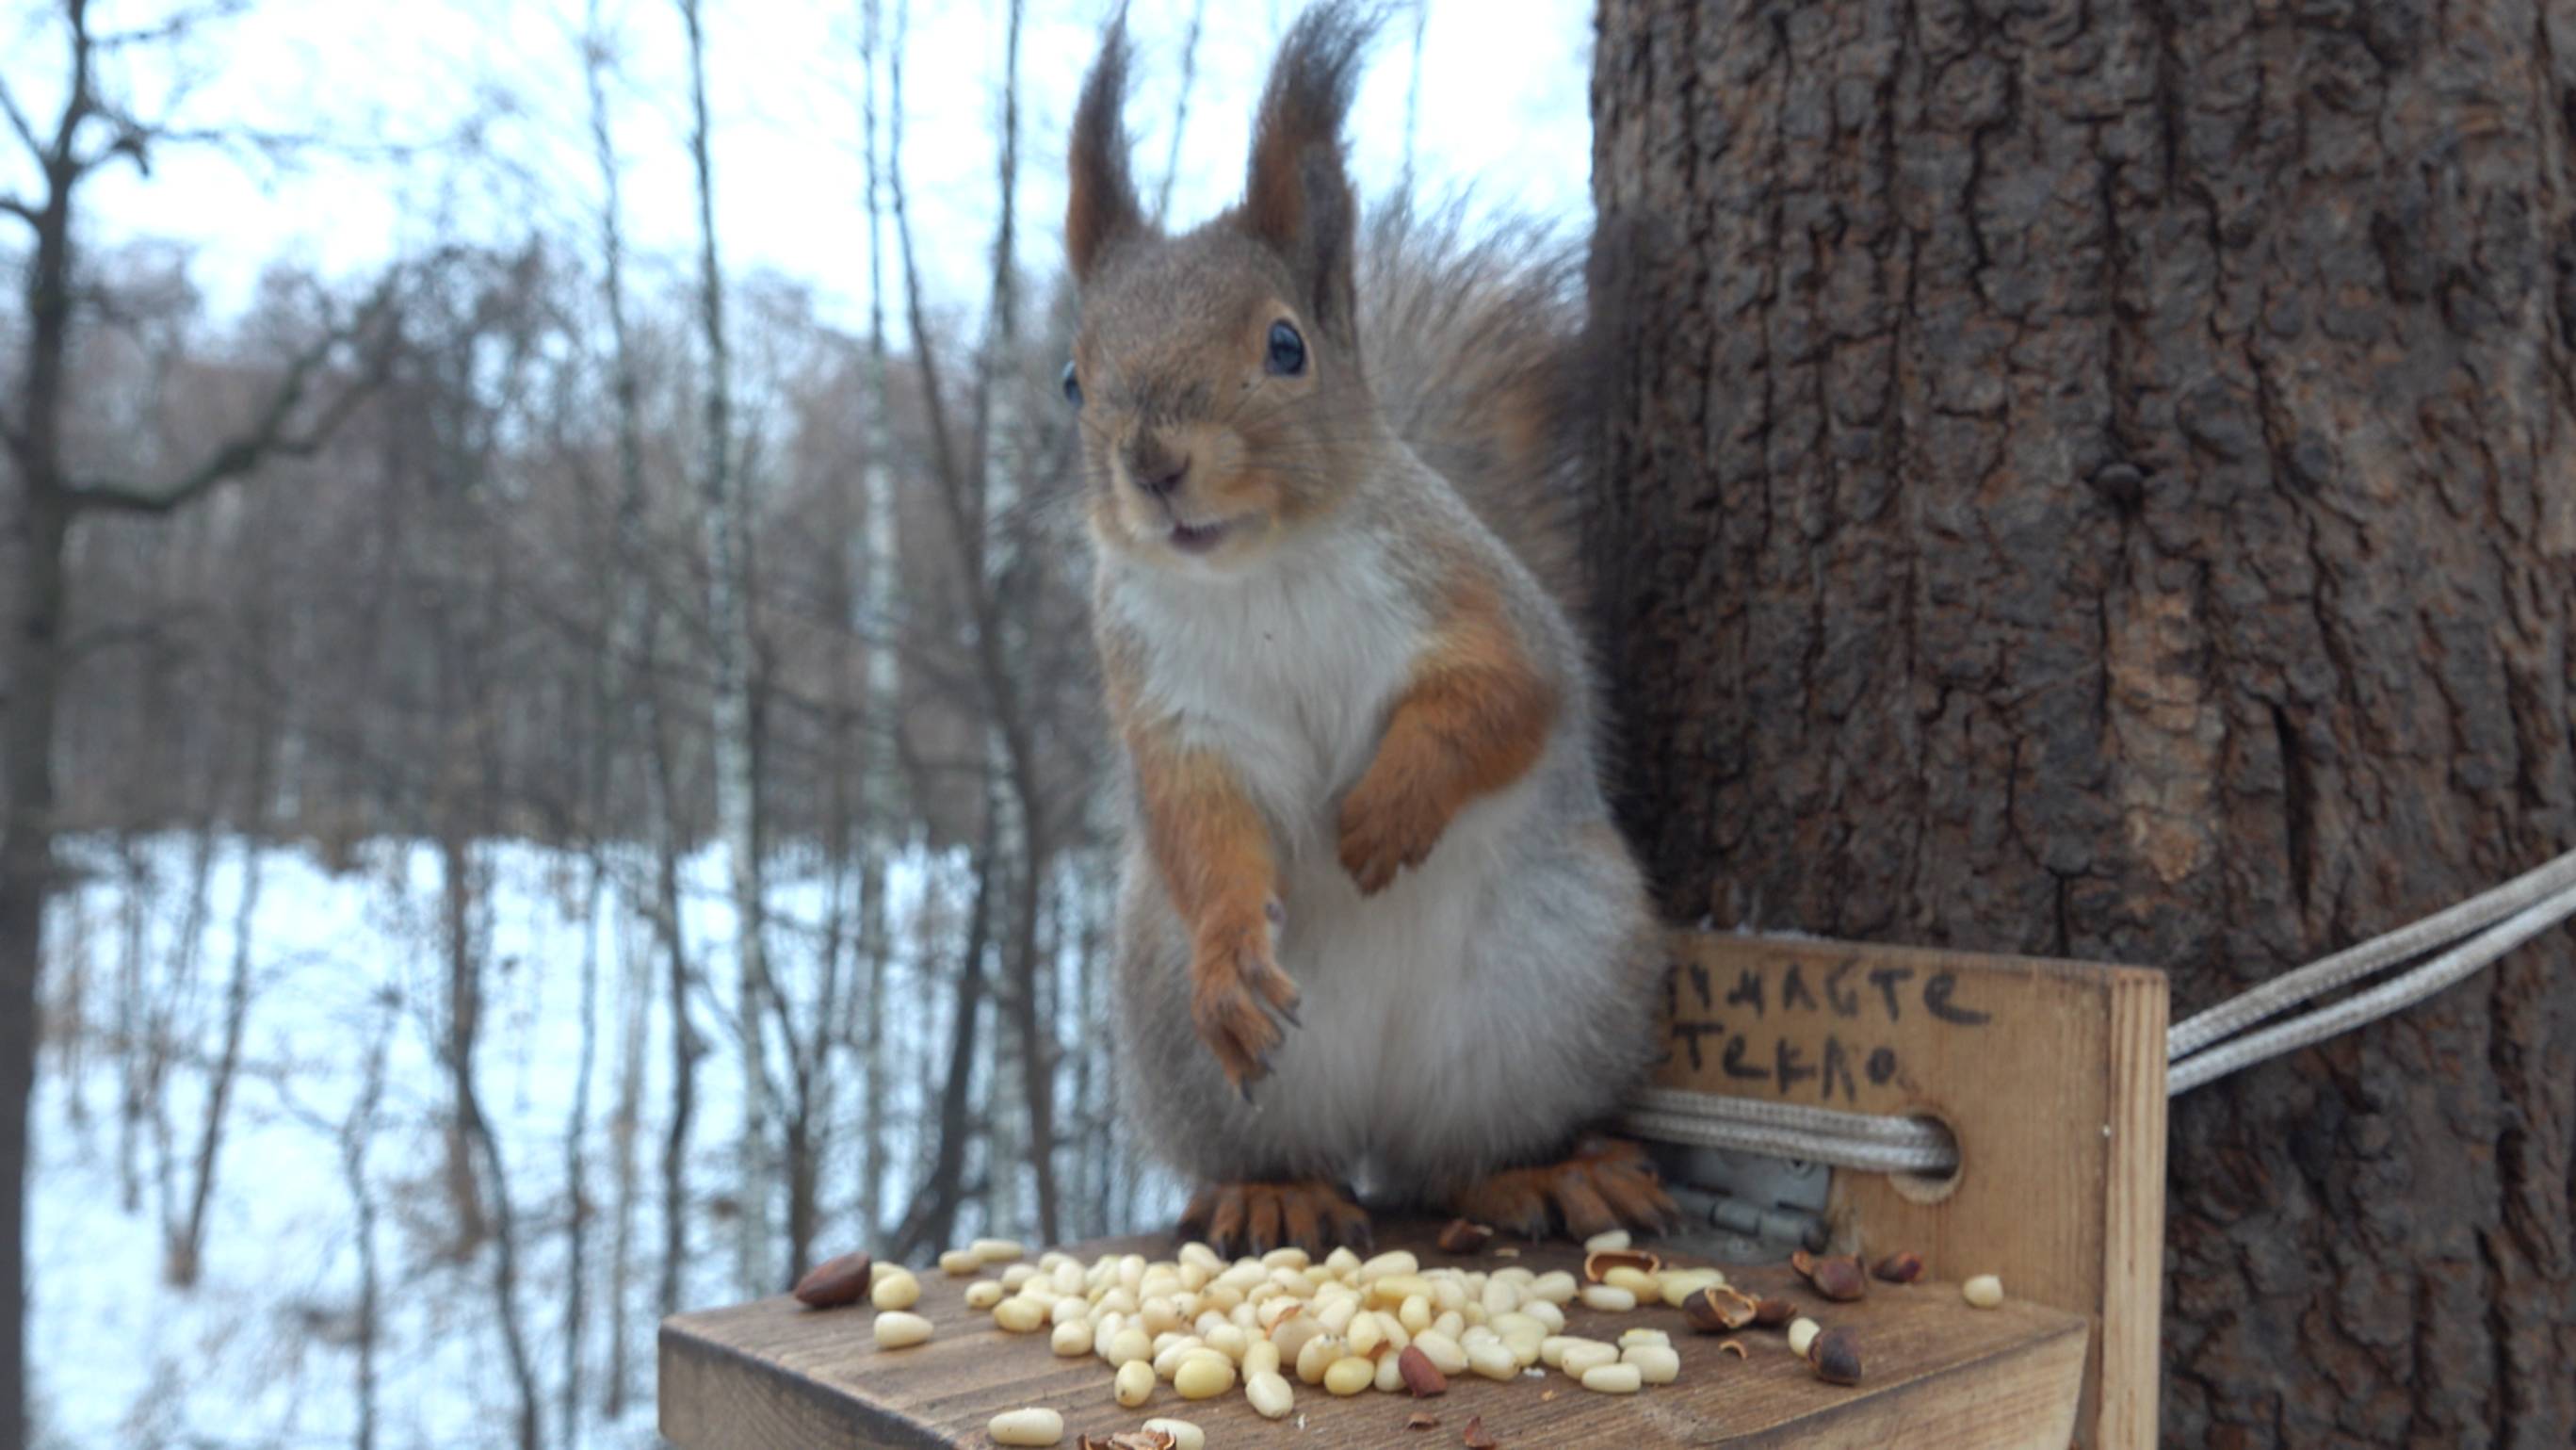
(1287, 350)
(1072, 386)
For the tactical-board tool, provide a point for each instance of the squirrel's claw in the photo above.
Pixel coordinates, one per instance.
(1240, 1218)
(1238, 996)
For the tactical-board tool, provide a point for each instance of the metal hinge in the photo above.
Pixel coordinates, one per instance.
(1745, 1208)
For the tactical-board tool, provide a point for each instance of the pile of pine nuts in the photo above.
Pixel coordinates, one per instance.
(1346, 1325)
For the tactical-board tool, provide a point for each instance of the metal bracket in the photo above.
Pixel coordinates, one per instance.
(1745, 1208)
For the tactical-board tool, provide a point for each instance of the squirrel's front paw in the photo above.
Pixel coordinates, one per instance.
(1386, 826)
(1235, 988)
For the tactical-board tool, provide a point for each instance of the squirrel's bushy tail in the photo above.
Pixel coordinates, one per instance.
(1474, 345)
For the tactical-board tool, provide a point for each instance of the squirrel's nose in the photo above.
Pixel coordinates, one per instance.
(1159, 473)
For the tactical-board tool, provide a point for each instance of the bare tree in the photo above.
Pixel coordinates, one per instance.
(187, 1239)
(727, 519)
(881, 688)
(357, 1132)
(92, 131)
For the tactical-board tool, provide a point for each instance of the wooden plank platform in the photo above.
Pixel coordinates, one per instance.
(1939, 1375)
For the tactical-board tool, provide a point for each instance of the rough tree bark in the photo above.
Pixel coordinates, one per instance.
(2098, 483)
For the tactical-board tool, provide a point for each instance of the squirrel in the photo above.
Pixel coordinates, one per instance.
(1375, 924)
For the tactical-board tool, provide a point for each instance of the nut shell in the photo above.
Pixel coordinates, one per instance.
(835, 1282)
(1717, 1309)
(1421, 1376)
(1598, 1263)
(1464, 1236)
(1839, 1279)
(1835, 1356)
(1903, 1267)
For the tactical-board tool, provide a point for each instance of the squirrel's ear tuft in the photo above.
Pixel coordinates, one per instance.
(1102, 206)
(1298, 198)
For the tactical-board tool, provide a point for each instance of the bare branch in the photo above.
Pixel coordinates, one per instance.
(273, 435)
(19, 209)
(18, 121)
(177, 25)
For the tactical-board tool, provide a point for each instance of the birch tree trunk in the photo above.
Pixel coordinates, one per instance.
(634, 713)
(2097, 482)
(727, 521)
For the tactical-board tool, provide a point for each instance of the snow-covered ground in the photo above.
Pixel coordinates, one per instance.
(263, 1350)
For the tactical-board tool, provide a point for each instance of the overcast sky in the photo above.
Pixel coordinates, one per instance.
(1503, 108)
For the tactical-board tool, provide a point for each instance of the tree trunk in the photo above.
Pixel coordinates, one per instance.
(2097, 482)
(726, 516)
(186, 1255)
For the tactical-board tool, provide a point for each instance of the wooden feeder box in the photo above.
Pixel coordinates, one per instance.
(2049, 1074)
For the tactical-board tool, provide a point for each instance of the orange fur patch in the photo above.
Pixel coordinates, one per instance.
(1214, 853)
(1475, 718)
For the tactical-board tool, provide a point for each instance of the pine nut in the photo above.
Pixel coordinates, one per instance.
(1609, 1298)
(897, 1290)
(1019, 1316)
(1203, 1375)
(1616, 1238)
(1167, 1360)
(1588, 1355)
(1985, 1291)
(1490, 1358)
(1394, 1261)
(1348, 1376)
(1134, 1384)
(1802, 1332)
(1073, 1339)
(1556, 1287)
(1642, 1335)
(1613, 1379)
(1027, 1427)
(895, 1329)
(1445, 1354)
(1390, 1373)
(1636, 1281)
(1132, 1345)
(1317, 1355)
(1271, 1398)
(1185, 1436)
(983, 1294)
(958, 1263)
(1366, 1334)
(1657, 1364)
(996, 1251)
(1259, 1356)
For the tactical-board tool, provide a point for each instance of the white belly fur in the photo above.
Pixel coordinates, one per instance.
(1289, 676)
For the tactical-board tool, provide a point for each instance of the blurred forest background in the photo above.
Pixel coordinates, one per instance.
(560, 763)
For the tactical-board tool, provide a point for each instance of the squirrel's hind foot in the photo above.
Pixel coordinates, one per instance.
(1606, 1183)
(1254, 1218)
